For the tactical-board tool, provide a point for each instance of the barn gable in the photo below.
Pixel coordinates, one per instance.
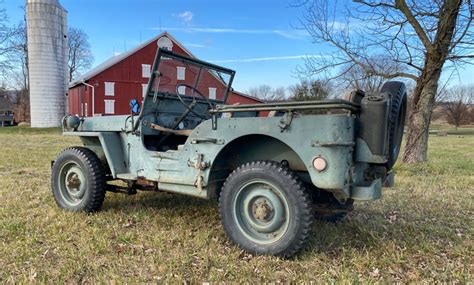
(118, 58)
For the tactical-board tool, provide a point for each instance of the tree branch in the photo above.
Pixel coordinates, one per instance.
(402, 6)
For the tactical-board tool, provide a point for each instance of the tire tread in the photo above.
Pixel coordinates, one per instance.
(398, 91)
(97, 179)
(303, 198)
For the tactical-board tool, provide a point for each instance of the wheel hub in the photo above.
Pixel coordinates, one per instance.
(262, 210)
(73, 183)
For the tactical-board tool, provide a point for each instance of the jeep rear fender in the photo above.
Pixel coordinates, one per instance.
(263, 147)
(257, 147)
(251, 148)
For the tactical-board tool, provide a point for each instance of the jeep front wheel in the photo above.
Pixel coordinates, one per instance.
(78, 180)
(265, 209)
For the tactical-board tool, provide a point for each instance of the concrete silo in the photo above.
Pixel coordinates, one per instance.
(47, 55)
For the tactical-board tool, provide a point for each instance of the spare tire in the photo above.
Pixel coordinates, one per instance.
(398, 110)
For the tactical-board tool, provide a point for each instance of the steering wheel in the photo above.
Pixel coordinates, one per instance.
(191, 105)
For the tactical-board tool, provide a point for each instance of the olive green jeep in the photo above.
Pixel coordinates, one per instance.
(274, 167)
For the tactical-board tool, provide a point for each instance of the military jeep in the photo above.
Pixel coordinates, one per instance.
(273, 167)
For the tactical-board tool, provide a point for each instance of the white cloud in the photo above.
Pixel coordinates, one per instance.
(289, 34)
(186, 16)
(292, 34)
(258, 59)
(215, 30)
(196, 45)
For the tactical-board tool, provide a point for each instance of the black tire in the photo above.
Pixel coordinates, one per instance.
(327, 208)
(78, 180)
(286, 207)
(398, 111)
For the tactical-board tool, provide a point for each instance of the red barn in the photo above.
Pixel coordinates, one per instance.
(108, 88)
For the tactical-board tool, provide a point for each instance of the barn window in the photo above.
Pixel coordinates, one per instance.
(166, 43)
(181, 73)
(182, 90)
(146, 70)
(109, 88)
(109, 106)
(212, 93)
(144, 87)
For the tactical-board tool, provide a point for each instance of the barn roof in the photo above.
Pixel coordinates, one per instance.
(248, 96)
(118, 58)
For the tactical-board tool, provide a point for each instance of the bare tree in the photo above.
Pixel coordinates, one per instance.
(80, 55)
(471, 114)
(14, 65)
(6, 33)
(457, 104)
(418, 37)
(267, 93)
(308, 90)
(280, 93)
(356, 77)
(20, 56)
(19, 73)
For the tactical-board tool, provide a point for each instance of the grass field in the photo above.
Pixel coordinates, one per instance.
(448, 129)
(420, 231)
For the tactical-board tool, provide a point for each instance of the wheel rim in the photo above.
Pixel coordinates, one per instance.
(261, 212)
(72, 183)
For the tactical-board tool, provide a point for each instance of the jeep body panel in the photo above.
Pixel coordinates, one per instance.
(307, 137)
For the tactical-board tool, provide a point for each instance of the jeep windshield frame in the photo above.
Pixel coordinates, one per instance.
(202, 66)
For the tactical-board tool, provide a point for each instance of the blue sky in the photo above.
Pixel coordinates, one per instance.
(258, 39)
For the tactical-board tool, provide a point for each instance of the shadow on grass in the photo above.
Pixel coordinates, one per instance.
(364, 230)
(373, 232)
(154, 200)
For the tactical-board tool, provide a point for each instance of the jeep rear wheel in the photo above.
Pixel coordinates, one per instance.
(265, 209)
(78, 180)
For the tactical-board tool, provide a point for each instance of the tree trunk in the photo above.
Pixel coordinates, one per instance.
(427, 85)
(420, 116)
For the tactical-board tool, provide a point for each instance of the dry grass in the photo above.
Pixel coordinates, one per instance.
(421, 230)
